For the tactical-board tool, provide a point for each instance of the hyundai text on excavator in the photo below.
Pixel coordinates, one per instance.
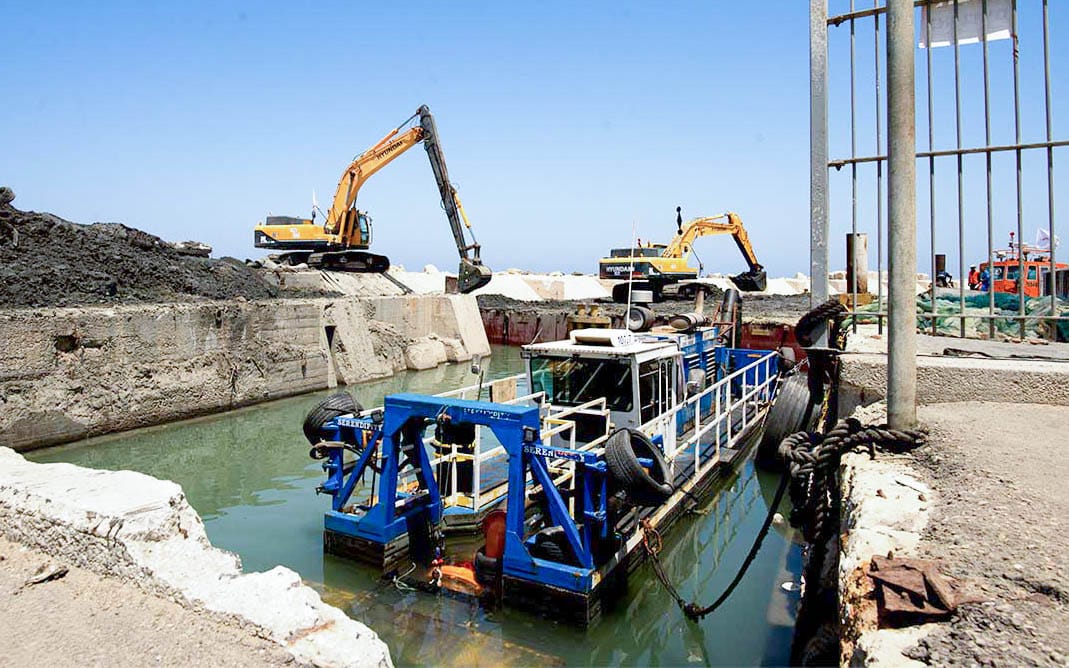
(661, 268)
(342, 241)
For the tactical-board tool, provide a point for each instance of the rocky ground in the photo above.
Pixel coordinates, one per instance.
(106, 622)
(999, 472)
(48, 261)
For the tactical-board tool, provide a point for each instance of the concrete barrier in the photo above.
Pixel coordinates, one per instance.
(142, 530)
(953, 369)
(69, 373)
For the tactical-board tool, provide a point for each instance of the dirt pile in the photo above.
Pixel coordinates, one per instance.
(48, 261)
(755, 307)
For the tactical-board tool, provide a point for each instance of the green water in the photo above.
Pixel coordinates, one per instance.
(248, 474)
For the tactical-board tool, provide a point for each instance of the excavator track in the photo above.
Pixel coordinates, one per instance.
(354, 261)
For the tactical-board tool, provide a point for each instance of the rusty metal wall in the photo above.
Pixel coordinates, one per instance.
(987, 145)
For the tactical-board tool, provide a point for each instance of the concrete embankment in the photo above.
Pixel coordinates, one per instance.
(69, 373)
(984, 499)
(137, 529)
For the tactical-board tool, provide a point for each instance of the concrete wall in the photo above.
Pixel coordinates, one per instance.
(74, 372)
(142, 530)
(952, 369)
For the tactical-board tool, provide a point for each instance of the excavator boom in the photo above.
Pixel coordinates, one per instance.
(728, 223)
(363, 167)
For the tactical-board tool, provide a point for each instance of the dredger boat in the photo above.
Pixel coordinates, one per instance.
(606, 435)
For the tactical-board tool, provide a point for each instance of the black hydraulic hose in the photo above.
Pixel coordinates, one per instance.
(692, 610)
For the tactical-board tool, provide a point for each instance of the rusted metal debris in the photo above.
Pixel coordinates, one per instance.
(912, 591)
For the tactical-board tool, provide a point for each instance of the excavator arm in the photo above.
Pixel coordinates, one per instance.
(473, 274)
(389, 148)
(341, 218)
(728, 223)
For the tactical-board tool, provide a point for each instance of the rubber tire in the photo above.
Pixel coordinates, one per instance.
(487, 569)
(639, 318)
(552, 545)
(792, 411)
(333, 406)
(622, 452)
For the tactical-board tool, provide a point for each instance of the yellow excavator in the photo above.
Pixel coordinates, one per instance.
(341, 242)
(660, 268)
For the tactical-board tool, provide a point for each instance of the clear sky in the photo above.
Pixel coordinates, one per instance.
(563, 123)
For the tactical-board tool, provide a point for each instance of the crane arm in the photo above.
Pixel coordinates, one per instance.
(728, 223)
(390, 147)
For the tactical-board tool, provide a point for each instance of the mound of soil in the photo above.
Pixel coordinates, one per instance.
(754, 307)
(48, 261)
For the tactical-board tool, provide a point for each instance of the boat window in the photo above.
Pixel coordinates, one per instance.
(571, 381)
(1032, 273)
(999, 273)
(1012, 272)
(654, 388)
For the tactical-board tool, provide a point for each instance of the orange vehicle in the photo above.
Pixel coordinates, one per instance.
(1005, 271)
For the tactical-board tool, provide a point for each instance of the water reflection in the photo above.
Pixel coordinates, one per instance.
(248, 474)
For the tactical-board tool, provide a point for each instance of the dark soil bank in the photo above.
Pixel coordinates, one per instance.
(48, 261)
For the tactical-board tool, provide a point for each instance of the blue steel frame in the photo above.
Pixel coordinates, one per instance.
(518, 429)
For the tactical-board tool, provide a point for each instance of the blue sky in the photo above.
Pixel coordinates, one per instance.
(562, 123)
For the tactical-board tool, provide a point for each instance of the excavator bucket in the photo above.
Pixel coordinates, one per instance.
(751, 281)
(472, 276)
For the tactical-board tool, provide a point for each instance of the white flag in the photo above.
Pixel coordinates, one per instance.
(970, 22)
(1043, 239)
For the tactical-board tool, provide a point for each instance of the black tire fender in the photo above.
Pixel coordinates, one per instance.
(487, 569)
(792, 410)
(551, 544)
(623, 449)
(333, 406)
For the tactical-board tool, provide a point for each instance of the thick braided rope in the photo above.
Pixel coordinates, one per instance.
(812, 460)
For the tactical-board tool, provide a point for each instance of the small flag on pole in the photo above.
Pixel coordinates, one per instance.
(1043, 239)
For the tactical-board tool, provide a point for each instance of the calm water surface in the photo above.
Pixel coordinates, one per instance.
(248, 474)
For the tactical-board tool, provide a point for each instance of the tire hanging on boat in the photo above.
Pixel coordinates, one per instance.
(793, 410)
(333, 406)
(644, 487)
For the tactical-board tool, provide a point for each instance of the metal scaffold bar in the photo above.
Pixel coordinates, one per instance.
(1048, 145)
(818, 139)
(902, 217)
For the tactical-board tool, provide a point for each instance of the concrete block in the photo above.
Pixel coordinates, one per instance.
(142, 530)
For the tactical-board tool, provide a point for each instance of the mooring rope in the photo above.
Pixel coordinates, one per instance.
(812, 462)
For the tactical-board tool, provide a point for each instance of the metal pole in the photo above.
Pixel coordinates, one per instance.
(879, 168)
(818, 152)
(1050, 164)
(902, 218)
(850, 271)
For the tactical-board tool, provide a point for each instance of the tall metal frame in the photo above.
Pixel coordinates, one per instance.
(975, 217)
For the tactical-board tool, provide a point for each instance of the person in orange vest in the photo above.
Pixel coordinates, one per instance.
(974, 278)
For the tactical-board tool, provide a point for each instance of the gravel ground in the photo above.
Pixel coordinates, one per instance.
(84, 619)
(1000, 472)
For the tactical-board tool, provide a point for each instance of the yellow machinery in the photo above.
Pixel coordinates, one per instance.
(341, 242)
(659, 267)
